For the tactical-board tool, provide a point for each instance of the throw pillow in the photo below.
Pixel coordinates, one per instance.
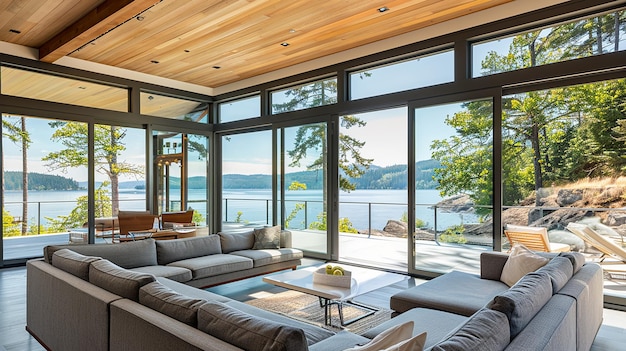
(249, 332)
(389, 338)
(267, 238)
(167, 301)
(521, 262)
(415, 343)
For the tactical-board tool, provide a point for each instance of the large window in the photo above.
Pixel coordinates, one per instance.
(44, 183)
(236, 110)
(246, 180)
(581, 38)
(562, 159)
(373, 188)
(415, 73)
(453, 181)
(318, 93)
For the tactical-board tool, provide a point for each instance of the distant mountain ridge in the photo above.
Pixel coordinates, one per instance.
(376, 177)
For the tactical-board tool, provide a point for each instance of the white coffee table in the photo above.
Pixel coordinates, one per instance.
(363, 281)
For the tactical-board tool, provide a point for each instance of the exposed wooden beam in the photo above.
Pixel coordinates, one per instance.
(106, 16)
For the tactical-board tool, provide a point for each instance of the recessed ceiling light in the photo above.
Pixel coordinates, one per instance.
(292, 30)
(154, 61)
(187, 50)
(217, 67)
(82, 87)
(383, 9)
(284, 43)
(15, 31)
(140, 18)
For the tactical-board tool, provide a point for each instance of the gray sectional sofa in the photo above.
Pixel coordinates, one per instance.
(83, 301)
(200, 261)
(557, 307)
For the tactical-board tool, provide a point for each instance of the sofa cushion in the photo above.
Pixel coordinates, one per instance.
(264, 257)
(236, 241)
(465, 294)
(485, 330)
(577, 259)
(523, 300)
(73, 262)
(130, 255)
(248, 332)
(169, 251)
(211, 265)
(338, 342)
(313, 332)
(437, 324)
(118, 280)
(165, 300)
(267, 238)
(178, 274)
(521, 261)
(388, 338)
(560, 271)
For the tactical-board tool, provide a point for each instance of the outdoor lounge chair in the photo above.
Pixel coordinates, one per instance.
(605, 245)
(534, 238)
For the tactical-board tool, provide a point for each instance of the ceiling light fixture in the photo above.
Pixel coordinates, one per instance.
(140, 18)
(154, 61)
(284, 43)
(292, 30)
(383, 9)
(15, 31)
(217, 67)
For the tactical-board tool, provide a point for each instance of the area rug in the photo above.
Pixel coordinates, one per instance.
(307, 308)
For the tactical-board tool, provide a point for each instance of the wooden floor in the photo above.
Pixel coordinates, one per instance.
(13, 336)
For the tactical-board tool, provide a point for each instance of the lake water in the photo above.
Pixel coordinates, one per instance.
(359, 206)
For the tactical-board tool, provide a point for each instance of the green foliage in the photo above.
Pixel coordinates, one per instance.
(453, 234)
(238, 218)
(79, 214)
(345, 225)
(8, 226)
(419, 223)
(548, 137)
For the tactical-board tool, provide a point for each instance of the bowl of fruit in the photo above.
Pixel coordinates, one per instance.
(333, 275)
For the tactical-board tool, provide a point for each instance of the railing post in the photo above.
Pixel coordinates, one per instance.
(369, 220)
(267, 211)
(38, 217)
(436, 240)
(226, 210)
(306, 217)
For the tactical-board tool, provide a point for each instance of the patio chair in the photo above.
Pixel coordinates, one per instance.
(135, 221)
(534, 238)
(605, 245)
(168, 219)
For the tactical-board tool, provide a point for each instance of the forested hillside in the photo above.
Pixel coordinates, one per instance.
(38, 181)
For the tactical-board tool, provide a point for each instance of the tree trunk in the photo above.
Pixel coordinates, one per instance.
(24, 178)
(534, 140)
(114, 174)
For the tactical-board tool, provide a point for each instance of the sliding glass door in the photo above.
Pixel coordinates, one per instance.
(302, 153)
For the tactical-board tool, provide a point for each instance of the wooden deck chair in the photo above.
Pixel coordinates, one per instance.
(605, 245)
(168, 219)
(130, 221)
(534, 238)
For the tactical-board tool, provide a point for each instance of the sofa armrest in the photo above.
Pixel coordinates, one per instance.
(285, 239)
(491, 264)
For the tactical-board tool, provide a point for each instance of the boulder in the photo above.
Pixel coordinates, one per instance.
(567, 197)
(396, 227)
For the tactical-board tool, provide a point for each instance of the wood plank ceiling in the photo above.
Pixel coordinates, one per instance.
(209, 42)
